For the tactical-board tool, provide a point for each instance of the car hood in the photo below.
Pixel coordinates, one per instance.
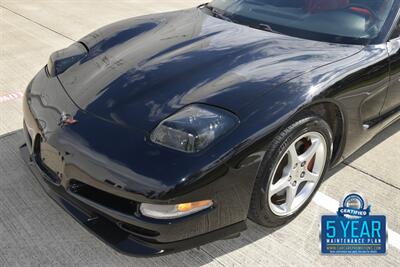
(139, 71)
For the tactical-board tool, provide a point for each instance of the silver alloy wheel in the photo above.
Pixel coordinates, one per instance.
(297, 174)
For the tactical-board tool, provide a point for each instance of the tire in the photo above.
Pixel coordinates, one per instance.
(266, 208)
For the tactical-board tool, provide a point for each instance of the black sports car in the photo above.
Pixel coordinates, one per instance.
(168, 131)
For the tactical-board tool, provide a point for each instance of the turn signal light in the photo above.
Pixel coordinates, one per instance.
(185, 207)
(173, 211)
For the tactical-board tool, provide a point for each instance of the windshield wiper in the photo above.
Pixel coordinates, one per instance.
(217, 13)
(264, 27)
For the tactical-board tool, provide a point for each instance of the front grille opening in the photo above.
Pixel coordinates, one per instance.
(103, 198)
(112, 202)
(133, 229)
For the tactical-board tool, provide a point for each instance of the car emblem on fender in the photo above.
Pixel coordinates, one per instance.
(66, 119)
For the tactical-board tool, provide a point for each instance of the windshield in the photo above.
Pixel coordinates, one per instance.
(339, 21)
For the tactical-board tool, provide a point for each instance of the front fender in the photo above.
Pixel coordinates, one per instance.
(356, 85)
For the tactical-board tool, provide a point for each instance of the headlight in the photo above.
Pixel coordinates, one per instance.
(194, 128)
(173, 211)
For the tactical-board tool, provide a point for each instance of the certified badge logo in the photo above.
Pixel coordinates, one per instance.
(353, 230)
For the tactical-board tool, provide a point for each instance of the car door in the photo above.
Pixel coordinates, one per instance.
(392, 102)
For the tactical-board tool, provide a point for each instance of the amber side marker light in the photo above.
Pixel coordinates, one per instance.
(185, 207)
(174, 211)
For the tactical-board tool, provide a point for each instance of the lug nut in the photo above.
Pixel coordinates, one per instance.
(303, 164)
(302, 174)
(294, 183)
(295, 166)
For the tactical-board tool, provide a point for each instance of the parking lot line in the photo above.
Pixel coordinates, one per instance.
(332, 205)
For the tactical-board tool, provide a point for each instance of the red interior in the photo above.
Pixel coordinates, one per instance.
(361, 10)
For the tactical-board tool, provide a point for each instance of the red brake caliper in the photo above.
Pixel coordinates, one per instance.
(310, 165)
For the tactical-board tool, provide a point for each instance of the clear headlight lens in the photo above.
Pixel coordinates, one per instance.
(173, 211)
(193, 128)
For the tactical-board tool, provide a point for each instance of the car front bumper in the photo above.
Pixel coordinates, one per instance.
(107, 228)
(104, 195)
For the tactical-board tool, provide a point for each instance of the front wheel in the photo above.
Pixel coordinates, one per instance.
(292, 171)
